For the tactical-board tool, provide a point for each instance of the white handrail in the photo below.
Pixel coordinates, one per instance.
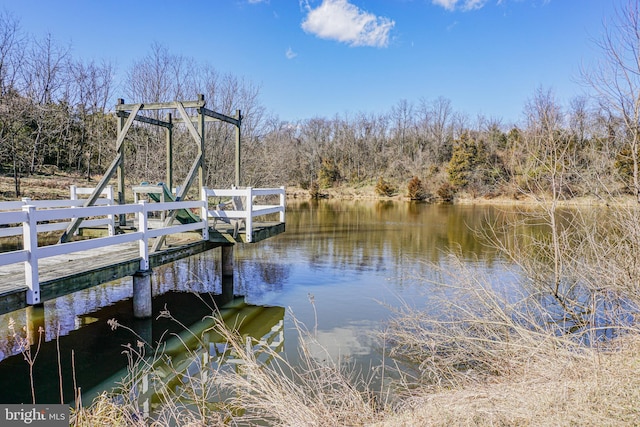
(250, 210)
(74, 201)
(33, 213)
(30, 216)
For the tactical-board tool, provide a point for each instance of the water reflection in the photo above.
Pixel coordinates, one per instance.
(351, 257)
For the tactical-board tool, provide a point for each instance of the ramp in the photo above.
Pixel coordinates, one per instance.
(184, 216)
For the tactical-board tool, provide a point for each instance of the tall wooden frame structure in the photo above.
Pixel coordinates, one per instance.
(128, 113)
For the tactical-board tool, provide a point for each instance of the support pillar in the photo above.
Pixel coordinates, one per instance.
(227, 260)
(227, 289)
(142, 298)
(226, 263)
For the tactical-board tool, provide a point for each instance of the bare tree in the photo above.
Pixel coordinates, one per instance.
(93, 91)
(11, 52)
(46, 77)
(616, 78)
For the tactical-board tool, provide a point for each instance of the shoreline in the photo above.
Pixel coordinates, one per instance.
(56, 186)
(368, 193)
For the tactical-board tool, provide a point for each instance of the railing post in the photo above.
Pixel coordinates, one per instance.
(249, 215)
(112, 218)
(30, 242)
(143, 243)
(204, 213)
(73, 192)
(142, 294)
(283, 201)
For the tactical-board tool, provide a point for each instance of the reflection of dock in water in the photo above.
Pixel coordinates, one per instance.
(91, 356)
(202, 349)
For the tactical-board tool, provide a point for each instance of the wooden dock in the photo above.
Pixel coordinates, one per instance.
(65, 268)
(218, 218)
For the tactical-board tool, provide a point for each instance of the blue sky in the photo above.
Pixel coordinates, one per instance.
(335, 57)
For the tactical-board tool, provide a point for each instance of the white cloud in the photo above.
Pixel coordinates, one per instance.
(290, 54)
(452, 5)
(342, 21)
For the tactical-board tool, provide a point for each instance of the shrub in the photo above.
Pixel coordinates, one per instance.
(384, 188)
(329, 174)
(314, 190)
(415, 189)
(446, 193)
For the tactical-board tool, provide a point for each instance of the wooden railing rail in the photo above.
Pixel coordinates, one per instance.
(9, 230)
(243, 207)
(30, 217)
(40, 216)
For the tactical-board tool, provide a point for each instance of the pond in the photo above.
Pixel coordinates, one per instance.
(339, 269)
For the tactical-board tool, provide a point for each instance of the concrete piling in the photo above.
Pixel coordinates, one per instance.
(142, 298)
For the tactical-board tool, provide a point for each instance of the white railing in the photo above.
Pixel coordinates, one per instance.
(36, 216)
(30, 217)
(243, 206)
(16, 230)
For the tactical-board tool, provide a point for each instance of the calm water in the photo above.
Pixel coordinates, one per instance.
(342, 263)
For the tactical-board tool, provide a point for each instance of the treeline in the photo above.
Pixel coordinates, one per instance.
(56, 110)
(429, 150)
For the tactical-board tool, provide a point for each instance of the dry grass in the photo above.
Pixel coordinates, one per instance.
(265, 388)
(491, 356)
(50, 186)
(487, 356)
(592, 388)
(312, 393)
(543, 381)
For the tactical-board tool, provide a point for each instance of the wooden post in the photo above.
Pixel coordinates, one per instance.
(204, 213)
(169, 140)
(226, 262)
(112, 219)
(227, 289)
(120, 151)
(142, 297)
(238, 158)
(143, 243)
(248, 222)
(283, 203)
(30, 244)
(202, 171)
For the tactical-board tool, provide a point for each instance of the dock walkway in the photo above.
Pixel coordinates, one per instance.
(39, 273)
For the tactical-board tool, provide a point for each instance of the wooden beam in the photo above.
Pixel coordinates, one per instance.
(238, 180)
(144, 119)
(127, 125)
(195, 119)
(219, 116)
(169, 149)
(162, 105)
(192, 129)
